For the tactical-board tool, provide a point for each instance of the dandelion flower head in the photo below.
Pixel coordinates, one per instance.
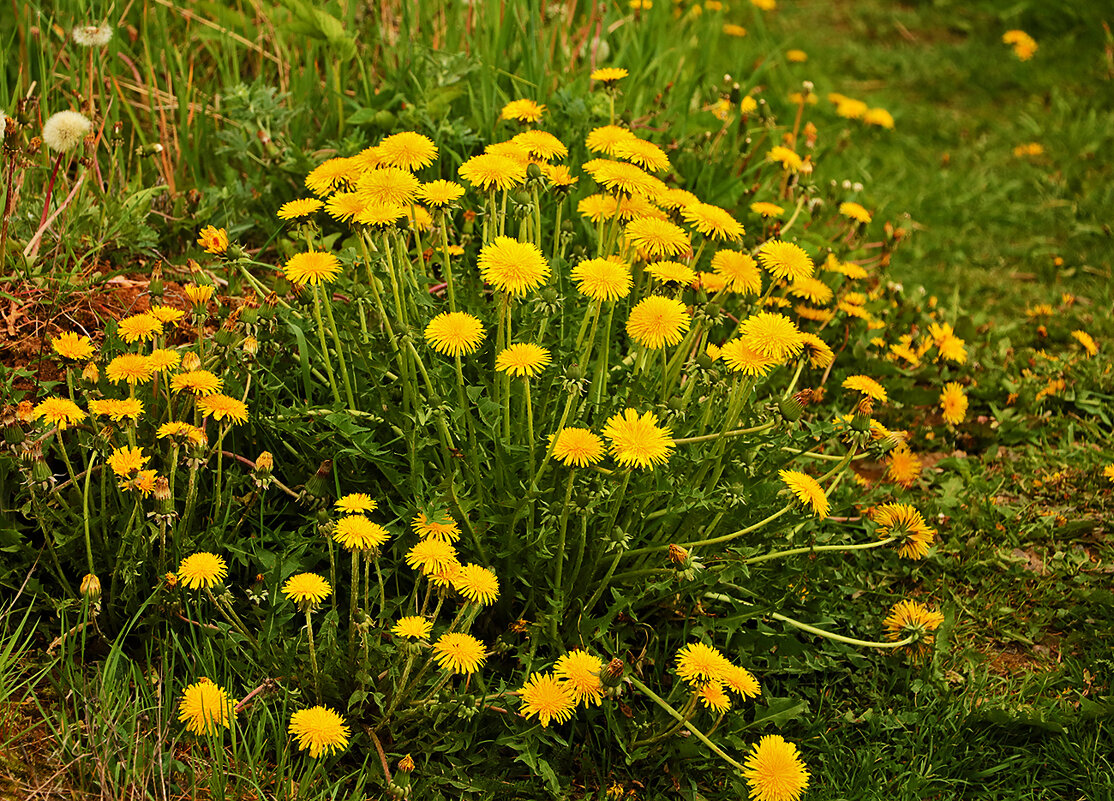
(413, 627)
(459, 653)
(774, 770)
(72, 346)
(477, 584)
(807, 490)
(547, 698)
(59, 411)
(205, 708)
(581, 670)
(603, 279)
(637, 440)
(408, 150)
(454, 333)
(312, 267)
(306, 589)
(657, 321)
(357, 533)
(65, 130)
(202, 570)
(512, 266)
(524, 360)
(319, 729)
(786, 260)
(577, 447)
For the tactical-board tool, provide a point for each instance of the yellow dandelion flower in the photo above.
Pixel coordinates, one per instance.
(459, 653)
(851, 109)
(412, 627)
(606, 137)
(58, 411)
(867, 386)
(811, 289)
(645, 154)
(671, 272)
(541, 145)
(296, 209)
(558, 176)
(765, 209)
(183, 431)
(608, 75)
(577, 447)
(879, 117)
(739, 270)
(580, 671)
(656, 238)
(512, 266)
(1024, 45)
(854, 211)
(199, 382)
(318, 729)
(712, 221)
(619, 176)
(307, 589)
(904, 522)
(199, 295)
(439, 526)
(742, 358)
(331, 175)
(440, 193)
(139, 328)
(127, 460)
(741, 681)
(953, 403)
(202, 570)
(454, 333)
(356, 533)
(775, 336)
(431, 555)
(205, 708)
(356, 503)
(523, 359)
(219, 407)
(912, 619)
(731, 29)
(408, 150)
(547, 698)
(380, 215)
(1087, 341)
(786, 260)
(523, 110)
(657, 321)
(344, 206)
(515, 151)
(387, 186)
(796, 56)
(808, 491)
(637, 440)
(774, 770)
(714, 697)
(313, 267)
(787, 158)
(72, 346)
(597, 207)
(603, 279)
(477, 584)
(819, 354)
(698, 663)
(903, 467)
(213, 240)
(117, 409)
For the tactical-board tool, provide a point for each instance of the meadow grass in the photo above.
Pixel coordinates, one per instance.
(1014, 701)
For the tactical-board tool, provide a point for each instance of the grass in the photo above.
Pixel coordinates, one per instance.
(1015, 701)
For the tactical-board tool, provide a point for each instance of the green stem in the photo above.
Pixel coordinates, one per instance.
(324, 345)
(715, 540)
(840, 638)
(864, 546)
(313, 655)
(677, 716)
(85, 513)
(735, 433)
(340, 354)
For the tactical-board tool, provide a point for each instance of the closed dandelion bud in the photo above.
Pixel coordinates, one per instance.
(676, 404)
(678, 555)
(549, 295)
(612, 674)
(704, 361)
(791, 408)
(91, 587)
(171, 580)
(162, 494)
(318, 485)
(860, 422)
(574, 372)
(149, 150)
(41, 473)
(264, 463)
(406, 764)
(156, 287)
(383, 120)
(190, 362)
(91, 373)
(249, 314)
(224, 337)
(533, 172)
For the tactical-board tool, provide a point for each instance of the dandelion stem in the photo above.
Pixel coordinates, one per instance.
(340, 353)
(558, 579)
(678, 717)
(715, 540)
(353, 594)
(737, 432)
(313, 654)
(840, 638)
(85, 512)
(863, 546)
(324, 346)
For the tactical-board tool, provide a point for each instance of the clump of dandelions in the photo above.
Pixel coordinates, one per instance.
(91, 35)
(65, 130)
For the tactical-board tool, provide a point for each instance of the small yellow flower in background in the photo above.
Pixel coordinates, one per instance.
(606, 137)
(213, 240)
(356, 502)
(796, 56)
(953, 403)
(127, 460)
(314, 267)
(854, 211)
(202, 570)
(1108, 471)
(657, 321)
(603, 279)
(698, 663)
(904, 522)
(1030, 149)
(713, 697)
(440, 526)
(608, 75)
(547, 698)
(357, 533)
(512, 266)
(220, 406)
(580, 671)
(807, 490)
(412, 627)
(637, 440)
(59, 411)
(408, 150)
(879, 117)
(787, 158)
(431, 555)
(766, 209)
(72, 346)
(477, 584)
(764, 5)
(786, 260)
(851, 108)
(523, 110)
(319, 729)
(867, 386)
(296, 209)
(454, 333)
(205, 708)
(732, 29)
(307, 589)
(459, 653)
(199, 295)
(199, 382)
(773, 335)
(909, 618)
(774, 770)
(440, 193)
(577, 447)
(117, 409)
(904, 467)
(1087, 341)
(1024, 45)
(523, 359)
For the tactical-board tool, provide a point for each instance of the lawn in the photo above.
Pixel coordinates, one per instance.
(557, 400)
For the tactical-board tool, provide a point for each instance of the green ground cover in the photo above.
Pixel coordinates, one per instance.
(1012, 248)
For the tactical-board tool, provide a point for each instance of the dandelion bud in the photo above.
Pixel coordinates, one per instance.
(612, 673)
(24, 412)
(678, 555)
(190, 361)
(171, 580)
(860, 422)
(791, 408)
(533, 172)
(199, 295)
(91, 587)
(249, 314)
(808, 86)
(406, 764)
(318, 485)
(41, 473)
(224, 337)
(264, 463)
(162, 495)
(65, 130)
